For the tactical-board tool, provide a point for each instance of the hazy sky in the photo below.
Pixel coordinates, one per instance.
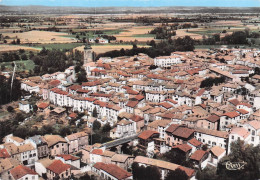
(142, 3)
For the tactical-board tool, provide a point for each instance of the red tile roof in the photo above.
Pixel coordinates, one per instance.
(58, 167)
(235, 102)
(43, 105)
(213, 118)
(132, 104)
(242, 111)
(136, 118)
(139, 97)
(73, 115)
(67, 157)
(201, 91)
(147, 134)
(97, 151)
(182, 147)
(20, 171)
(183, 132)
(172, 101)
(54, 83)
(195, 142)
(166, 105)
(231, 114)
(172, 128)
(4, 153)
(133, 92)
(188, 171)
(198, 155)
(113, 170)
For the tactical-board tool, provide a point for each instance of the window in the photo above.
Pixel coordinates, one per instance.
(232, 137)
(253, 132)
(253, 138)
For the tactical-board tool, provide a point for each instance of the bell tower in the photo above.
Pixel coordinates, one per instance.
(88, 53)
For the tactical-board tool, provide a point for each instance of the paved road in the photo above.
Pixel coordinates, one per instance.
(119, 141)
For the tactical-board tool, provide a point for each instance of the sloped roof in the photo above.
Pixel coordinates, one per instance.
(58, 167)
(20, 171)
(146, 134)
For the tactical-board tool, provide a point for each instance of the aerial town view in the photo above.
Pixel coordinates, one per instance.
(129, 90)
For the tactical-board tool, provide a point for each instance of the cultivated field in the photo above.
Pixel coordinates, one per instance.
(5, 48)
(40, 37)
(140, 34)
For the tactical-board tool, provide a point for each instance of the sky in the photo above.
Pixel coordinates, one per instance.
(134, 3)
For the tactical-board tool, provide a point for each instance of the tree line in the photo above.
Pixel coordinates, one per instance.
(164, 48)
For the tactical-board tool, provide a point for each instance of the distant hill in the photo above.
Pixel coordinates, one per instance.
(118, 10)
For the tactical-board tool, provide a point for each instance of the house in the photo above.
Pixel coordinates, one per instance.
(42, 146)
(56, 144)
(200, 158)
(123, 128)
(254, 128)
(22, 172)
(25, 106)
(96, 156)
(111, 171)
(107, 156)
(69, 159)
(57, 169)
(26, 153)
(195, 144)
(216, 153)
(210, 122)
(14, 139)
(6, 165)
(146, 142)
(164, 166)
(212, 137)
(30, 87)
(42, 107)
(238, 133)
(159, 126)
(41, 166)
(176, 134)
(182, 150)
(229, 118)
(122, 160)
(77, 141)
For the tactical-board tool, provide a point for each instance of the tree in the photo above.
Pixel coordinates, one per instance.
(82, 76)
(18, 41)
(94, 113)
(145, 173)
(207, 173)
(241, 152)
(96, 125)
(64, 131)
(35, 108)
(24, 57)
(106, 128)
(10, 109)
(177, 174)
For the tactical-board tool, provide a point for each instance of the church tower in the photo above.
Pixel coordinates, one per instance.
(88, 53)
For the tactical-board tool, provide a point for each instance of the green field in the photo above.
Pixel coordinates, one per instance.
(58, 45)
